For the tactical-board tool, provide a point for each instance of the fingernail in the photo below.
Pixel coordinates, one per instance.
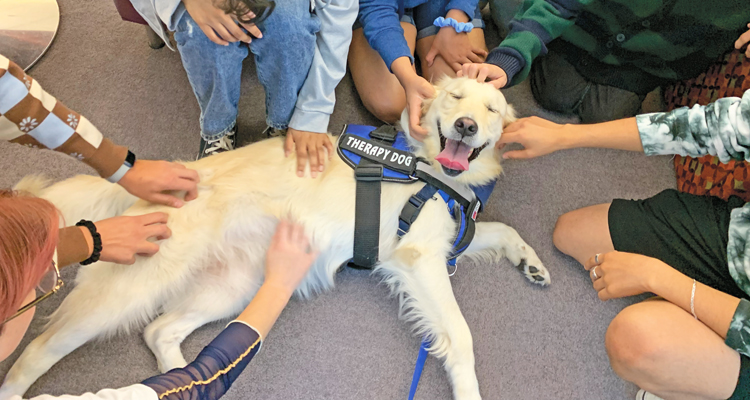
(321, 168)
(300, 174)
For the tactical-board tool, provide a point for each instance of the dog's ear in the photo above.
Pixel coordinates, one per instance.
(439, 87)
(510, 116)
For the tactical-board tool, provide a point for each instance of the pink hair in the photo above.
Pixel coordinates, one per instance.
(28, 236)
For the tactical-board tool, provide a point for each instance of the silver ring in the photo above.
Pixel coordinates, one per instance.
(596, 257)
(593, 272)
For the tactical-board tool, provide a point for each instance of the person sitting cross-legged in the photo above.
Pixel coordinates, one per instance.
(693, 340)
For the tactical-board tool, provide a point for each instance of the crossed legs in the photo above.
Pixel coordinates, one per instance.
(654, 344)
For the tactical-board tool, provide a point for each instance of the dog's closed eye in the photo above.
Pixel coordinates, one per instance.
(457, 96)
(492, 110)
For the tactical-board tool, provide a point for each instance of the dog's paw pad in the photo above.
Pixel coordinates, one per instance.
(538, 275)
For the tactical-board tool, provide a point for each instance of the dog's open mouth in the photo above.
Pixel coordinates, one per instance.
(455, 155)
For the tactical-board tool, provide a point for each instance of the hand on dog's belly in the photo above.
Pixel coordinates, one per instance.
(313, 147)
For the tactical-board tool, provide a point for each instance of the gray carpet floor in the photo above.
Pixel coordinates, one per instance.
(530, 343)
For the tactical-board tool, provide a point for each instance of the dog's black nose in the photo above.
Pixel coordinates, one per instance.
(466, 126)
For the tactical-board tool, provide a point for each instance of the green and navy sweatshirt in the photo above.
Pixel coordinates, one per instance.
(635, 45)
(720, 129)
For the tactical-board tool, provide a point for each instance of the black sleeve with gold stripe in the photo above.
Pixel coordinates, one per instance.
(214, 370)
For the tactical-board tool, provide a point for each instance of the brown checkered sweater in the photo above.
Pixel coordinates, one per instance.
(31, 117)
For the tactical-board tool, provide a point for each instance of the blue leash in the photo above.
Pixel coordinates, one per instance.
(418, 367)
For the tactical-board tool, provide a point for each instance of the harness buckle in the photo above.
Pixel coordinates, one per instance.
(385, 133)
(411, 210)
(473, 209)
(369, 173)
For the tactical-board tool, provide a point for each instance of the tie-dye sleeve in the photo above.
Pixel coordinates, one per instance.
(721, 128)
(738, 336)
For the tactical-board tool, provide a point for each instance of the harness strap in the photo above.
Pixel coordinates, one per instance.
(367, 207)
(367, 215)
(461, 194)
(413, 207)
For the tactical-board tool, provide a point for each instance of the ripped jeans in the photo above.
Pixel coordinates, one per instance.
(282, 58)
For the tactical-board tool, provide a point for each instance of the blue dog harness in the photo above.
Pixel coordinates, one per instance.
(382, 154)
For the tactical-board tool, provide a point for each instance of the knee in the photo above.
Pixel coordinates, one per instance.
(593, 111)
(562, 236)
(385, 106)
(633, 344)
(552, 97)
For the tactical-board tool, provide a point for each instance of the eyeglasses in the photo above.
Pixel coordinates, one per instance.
(48, 286)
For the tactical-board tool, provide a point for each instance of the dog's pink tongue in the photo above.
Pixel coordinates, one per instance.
(455, 156)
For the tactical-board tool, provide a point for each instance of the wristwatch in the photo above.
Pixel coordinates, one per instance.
(124, 168)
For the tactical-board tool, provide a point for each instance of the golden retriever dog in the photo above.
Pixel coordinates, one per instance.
(212, 265)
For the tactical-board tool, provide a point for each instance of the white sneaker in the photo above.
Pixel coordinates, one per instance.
(644, 395)
(211, 147)
(274, 132)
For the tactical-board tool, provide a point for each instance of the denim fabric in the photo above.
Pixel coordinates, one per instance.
(282, 58)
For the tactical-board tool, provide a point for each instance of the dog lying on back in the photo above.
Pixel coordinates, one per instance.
(212, 265)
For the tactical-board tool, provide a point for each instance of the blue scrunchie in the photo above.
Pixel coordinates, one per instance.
(460, 27)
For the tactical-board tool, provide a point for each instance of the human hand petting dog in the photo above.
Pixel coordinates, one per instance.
(149, 180)
(484, 72)
(310, 146)
(220, 27)
(288, 260)
(289, 257)
(417, 89)
(743, 40)
(125, 237)
(538, 136)
(455, 48)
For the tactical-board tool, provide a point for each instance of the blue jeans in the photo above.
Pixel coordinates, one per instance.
(282, 58)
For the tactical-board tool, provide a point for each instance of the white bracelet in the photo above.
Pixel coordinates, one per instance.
(692, 301)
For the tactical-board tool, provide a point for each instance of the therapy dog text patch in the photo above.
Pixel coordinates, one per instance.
(392, 158)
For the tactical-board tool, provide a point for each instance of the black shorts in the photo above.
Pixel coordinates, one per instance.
(687, 232)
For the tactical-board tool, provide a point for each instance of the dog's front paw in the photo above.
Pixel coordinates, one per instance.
(534, 271)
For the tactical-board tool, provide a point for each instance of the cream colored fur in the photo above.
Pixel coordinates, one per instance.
(213, 264)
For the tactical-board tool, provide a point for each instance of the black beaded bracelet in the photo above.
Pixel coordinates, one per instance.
(97, 242)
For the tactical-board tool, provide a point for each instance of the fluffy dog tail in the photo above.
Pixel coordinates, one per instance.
(80, 197)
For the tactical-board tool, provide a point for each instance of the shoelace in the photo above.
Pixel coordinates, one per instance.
(224, 143)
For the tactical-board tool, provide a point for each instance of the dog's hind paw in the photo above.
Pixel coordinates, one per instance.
(534, 272)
